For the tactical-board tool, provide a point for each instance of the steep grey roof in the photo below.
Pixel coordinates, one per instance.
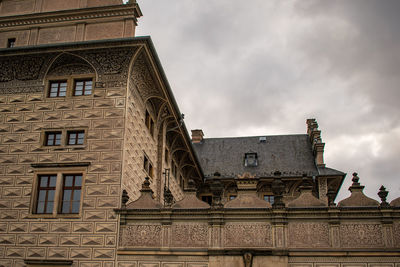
(289, 154)
(329, 171)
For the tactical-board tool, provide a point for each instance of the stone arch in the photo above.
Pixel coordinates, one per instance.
(66, 64)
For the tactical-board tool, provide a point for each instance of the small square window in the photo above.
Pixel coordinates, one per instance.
(269, 198)
(11, 42)
(75, 137)
(58, 89)
(83, 87)
(52, 139)
(250, 160)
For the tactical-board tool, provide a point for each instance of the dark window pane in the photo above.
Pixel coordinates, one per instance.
(78, 180)
(53, 180)
(75, 207)
(68, 180)
(43, 181)
(40, 207)
(77, 195)
(49, 208)
(67, 195)
(42, 196)
(65, 207)
(50, 195)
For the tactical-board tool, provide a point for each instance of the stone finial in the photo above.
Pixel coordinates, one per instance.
(124, 198)
(383, 193)
(357, 197)
(146, 185)
(278, 188)
(145, 200)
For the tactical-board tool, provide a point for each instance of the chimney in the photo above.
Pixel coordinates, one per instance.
(316, 142)
(197, 136)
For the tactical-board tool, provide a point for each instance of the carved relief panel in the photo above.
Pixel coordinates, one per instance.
(355, 235)
(247, 235)
(189, 235)
(141, 235)
(308, 234)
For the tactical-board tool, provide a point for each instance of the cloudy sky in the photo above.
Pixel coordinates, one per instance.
(262, 67)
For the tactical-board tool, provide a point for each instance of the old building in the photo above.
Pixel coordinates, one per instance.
(97, 168)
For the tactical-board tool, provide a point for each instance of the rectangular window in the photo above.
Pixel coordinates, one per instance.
(52, 139)
(45, 194)
(83, 87)
(269, 198)
(147, 166)
(72, 184)
(11, 42)
(58, 89)
(75, 137)
(231, 197)
(149, 123)
(58, 193)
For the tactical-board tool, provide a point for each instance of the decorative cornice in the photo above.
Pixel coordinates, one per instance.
(71, 15)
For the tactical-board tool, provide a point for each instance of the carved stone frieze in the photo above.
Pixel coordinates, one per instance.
(247, 235)
(308, 234)
(142, 78)
(73, 69)
(107, 61)
(141, 236)
(21, 90)
(190, 235)
(23, 68)
(361, 235)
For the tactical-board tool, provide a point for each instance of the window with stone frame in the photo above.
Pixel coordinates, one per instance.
(83, 86)
(75, 137)
(58, 88)
(64, 137)
(52, 138)
(46, 193)
(58, 193)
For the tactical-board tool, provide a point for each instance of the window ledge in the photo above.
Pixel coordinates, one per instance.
(49, 262)
(52, 216)
(52, 165)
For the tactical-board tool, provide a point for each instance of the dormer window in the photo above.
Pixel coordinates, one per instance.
(11, 42)
(250, 160)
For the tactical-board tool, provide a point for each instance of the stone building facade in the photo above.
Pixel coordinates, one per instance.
(86, 113)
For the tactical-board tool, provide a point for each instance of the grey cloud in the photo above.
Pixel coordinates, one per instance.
(263, 67)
